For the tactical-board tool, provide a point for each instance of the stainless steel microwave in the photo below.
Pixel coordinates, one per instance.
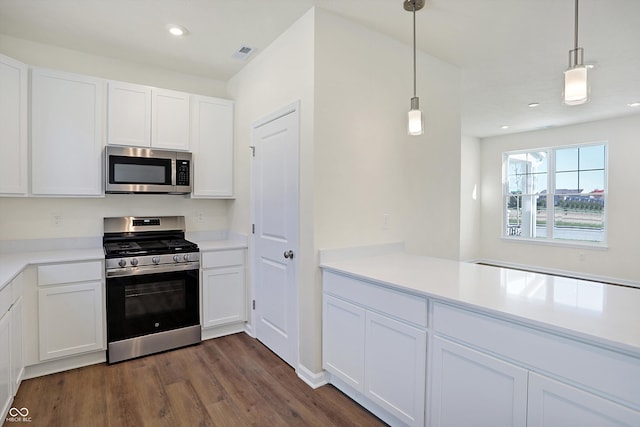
(147, 170)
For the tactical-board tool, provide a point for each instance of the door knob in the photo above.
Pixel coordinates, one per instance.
(288, 254)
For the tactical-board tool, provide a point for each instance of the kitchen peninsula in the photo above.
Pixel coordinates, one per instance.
(415, 338)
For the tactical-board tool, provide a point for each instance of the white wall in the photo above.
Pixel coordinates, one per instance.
(619, 260)
(31, 218)
(470, 198)
(281, 74)
(366, 164)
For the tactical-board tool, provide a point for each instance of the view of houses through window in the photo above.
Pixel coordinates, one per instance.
(556, 193)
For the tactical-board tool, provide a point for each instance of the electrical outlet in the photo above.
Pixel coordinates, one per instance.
(199, 217)
(385, 221)
(57, 219)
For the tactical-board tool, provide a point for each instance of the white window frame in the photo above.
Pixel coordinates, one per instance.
(550, 195)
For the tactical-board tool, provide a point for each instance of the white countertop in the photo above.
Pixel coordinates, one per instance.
(11, 264)
(600, 313)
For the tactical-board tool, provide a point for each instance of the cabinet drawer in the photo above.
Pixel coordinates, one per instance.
(613, 374)
(408, 307)
(69, 273)
(5, 299)
(222, 258)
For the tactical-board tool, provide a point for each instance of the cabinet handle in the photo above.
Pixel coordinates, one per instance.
(288, 254)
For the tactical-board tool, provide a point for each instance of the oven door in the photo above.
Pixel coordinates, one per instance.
(144, 304)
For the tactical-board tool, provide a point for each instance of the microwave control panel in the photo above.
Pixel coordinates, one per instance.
(182, 172)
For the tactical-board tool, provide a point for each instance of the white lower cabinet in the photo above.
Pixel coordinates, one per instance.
(11, 361)
(375, 346)
(70, 309)
(223, 288)
(473, 384)
(395, 363)
(470, 388)
(555, 404)
(6, 395)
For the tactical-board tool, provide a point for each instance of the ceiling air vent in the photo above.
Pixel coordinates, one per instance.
(243, 52)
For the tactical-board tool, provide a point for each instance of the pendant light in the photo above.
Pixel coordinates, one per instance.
(416, 125)
(576, 87)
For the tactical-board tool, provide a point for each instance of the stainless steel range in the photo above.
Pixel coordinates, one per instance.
(152, 286)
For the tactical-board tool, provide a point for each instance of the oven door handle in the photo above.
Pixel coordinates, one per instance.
(152, 269)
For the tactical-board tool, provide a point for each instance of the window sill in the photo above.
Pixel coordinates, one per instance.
(559, 243)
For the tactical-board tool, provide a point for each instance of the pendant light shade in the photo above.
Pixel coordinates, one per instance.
(576, 83)
(416, 124)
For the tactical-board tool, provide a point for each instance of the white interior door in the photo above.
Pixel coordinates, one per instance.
(275, 200)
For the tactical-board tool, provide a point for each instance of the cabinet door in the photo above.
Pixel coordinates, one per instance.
(395, 364)
(470, 388)
(554, 404)
(6, 394)
(212, 147)
(129, 114)
(170, 119)
(343, 334)
(223, 296)
(17, 361)
(70, 319)
(66, 134)
(13, 126)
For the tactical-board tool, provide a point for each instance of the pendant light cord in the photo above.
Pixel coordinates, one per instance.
(414, 46)
(575, 50)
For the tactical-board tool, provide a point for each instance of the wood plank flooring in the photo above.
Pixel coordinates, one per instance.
(229, 381)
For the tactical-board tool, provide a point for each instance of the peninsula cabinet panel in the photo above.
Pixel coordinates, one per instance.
(395, 366)
(66, 134)
(554, 404)
(469, 388)
(13, 127)
(343, 341)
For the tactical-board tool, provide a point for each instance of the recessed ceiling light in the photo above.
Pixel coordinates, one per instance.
(177, 30)
(504, 127)
(533, 104)
(634, 104)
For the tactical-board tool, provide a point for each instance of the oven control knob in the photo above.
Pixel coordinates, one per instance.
(122, 263)
(155, 260)
(134, 262)
(176, 258)
(186, 257)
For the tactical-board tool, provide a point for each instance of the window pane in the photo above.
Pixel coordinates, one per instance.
(539, 183)
(567, 159)
(538, 161)
(592, 181)
(566, 182)
(541, 217)
(579, 218)
(592, 157)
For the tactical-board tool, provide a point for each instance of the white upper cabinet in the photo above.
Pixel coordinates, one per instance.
(143, 116)
(129, 114)
(170, 119)
(13, 126)
(212, 147)
(66, 133)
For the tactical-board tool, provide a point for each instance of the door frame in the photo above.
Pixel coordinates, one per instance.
(293, 107)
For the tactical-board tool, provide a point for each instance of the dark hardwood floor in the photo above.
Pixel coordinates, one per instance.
(229, 381)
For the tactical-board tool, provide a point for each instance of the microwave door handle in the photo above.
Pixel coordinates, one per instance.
(173, 171)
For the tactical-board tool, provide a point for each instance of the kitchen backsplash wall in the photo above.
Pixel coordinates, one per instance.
(45, 218)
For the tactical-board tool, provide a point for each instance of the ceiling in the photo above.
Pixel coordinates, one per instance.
(511, 52)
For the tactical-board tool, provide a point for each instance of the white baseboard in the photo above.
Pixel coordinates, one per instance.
(220, 331)
(313, 380)
(65, 364)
